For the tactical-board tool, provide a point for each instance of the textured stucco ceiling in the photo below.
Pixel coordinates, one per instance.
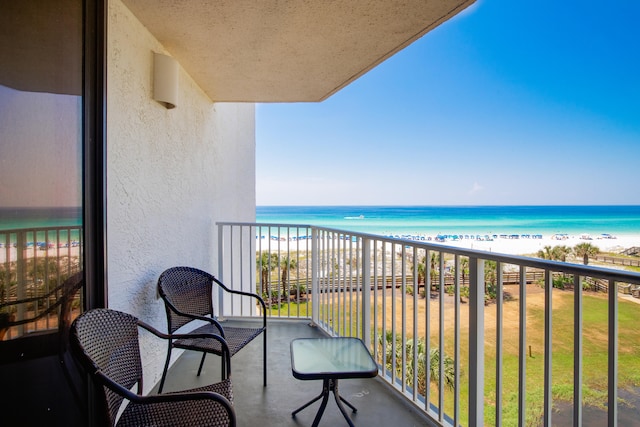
(286, 50)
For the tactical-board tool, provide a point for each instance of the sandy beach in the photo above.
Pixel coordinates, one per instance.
(505, 245)
(530, 246)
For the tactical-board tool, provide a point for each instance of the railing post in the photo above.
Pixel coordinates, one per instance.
(613, 355)
(315, 288)
(476, 342)
(220, 269)
(252, 261)
(522, 344)
(366, 292)
(577, 351)
(548, 345)
(21, 274)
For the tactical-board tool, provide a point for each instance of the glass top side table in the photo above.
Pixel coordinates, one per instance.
(330, 359)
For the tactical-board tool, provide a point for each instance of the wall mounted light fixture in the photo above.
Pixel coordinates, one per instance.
(165, 80)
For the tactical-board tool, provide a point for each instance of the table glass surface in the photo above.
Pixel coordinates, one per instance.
(337, 357)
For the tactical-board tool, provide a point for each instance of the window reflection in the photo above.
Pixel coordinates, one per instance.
(40, 164)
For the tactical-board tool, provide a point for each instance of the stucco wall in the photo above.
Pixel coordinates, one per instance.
(171, 174)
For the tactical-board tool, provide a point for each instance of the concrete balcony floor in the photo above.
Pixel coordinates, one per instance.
(376, 402)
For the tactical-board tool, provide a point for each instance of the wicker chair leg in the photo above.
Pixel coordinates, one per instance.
(164, 372)
(204, 354)
(264, 358)
(223, 367)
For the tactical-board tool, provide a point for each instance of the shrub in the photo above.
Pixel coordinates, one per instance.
(419, 346)
(464, 291)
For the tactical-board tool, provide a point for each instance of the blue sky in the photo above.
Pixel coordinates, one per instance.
(510, 102)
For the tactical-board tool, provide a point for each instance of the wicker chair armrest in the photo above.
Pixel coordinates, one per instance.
(248, 294)
(209, 320)
(169, 397)
(122, 391)
(159, 398)
(195, 316)
(223, 342)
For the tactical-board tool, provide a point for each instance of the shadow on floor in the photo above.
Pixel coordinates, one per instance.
(272, 405)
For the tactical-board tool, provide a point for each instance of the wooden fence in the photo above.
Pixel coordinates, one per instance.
(509, 278)
(618, 260)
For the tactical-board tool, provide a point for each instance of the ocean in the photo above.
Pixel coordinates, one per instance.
(38, 218)
(404, 220)
(14, 218)
(450, 220)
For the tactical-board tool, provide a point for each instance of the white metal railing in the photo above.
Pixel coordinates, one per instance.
(492, 317)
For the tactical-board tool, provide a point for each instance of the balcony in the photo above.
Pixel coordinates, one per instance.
(272, 405)
(523, 339)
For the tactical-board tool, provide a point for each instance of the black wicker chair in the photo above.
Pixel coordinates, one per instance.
(187, 293)
(106, 343)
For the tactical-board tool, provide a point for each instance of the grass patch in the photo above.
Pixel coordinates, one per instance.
(292, 309)
(595, 347)
(594, 362)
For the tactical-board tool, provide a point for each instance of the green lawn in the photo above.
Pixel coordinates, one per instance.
(594, 356)
(595, 345)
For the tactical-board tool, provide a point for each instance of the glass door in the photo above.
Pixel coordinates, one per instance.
(50, 200)
(41, 112)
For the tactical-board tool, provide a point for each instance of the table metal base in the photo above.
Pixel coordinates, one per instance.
(328, 385)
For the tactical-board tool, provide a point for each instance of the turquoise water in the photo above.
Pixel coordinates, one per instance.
(37, 218)
(14, 218)
(399, 220)
(434, 220)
